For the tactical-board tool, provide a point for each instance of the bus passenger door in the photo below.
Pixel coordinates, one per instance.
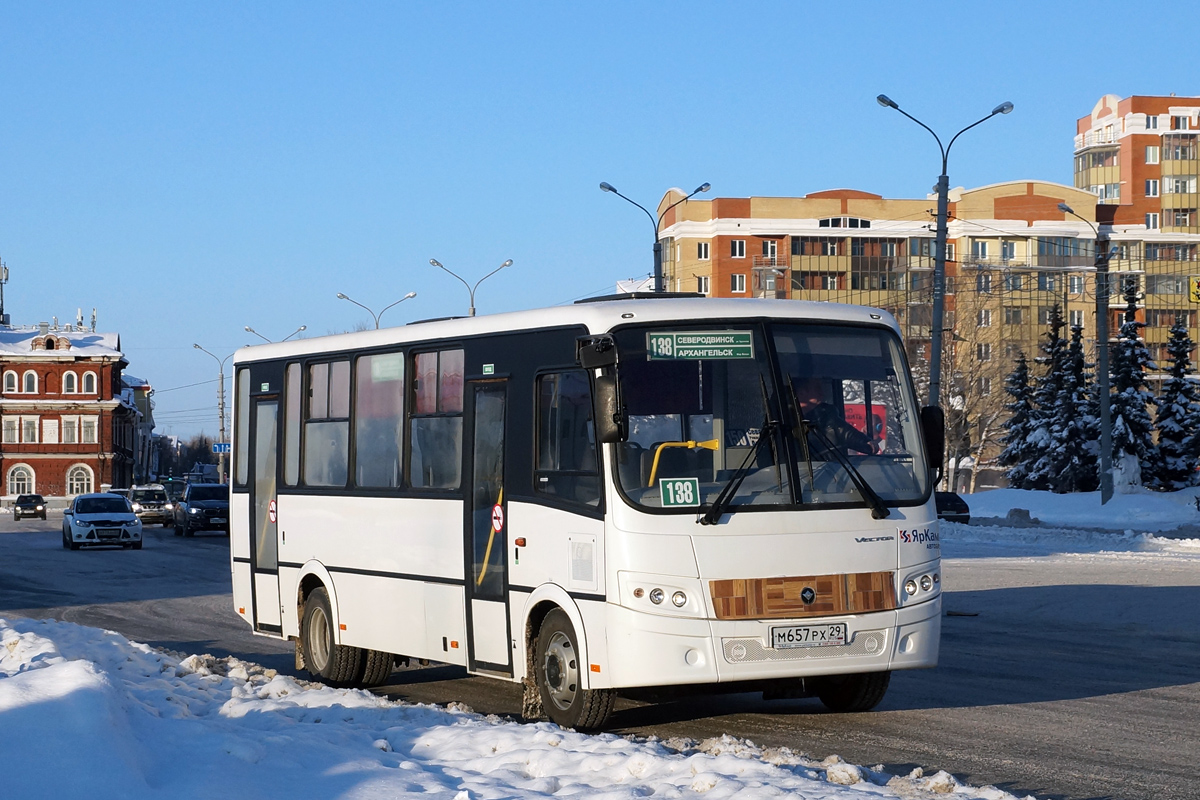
(486, 532)
(264, 549)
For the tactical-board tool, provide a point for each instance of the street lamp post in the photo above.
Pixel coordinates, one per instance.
(939, 253)
(471, 289)
(220, 408)
(374, 316)
(1102, 376)
(284, 339)
(658, 276)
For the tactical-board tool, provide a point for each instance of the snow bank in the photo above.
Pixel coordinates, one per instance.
(87, 713)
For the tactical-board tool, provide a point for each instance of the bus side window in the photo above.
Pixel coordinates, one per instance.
(566, 465)
(435, 439)
(291, 427)
(242, 428)
(327, 425)
(379, 420)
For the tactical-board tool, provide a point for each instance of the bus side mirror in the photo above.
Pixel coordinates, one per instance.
(610, 423)
(595, 352)
(933, 425)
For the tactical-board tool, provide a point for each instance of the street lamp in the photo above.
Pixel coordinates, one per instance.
(471, 289)
(939, 262)
(284, 339)
(1102, 376)
(220, 408)
(369, 311)
(658, 276)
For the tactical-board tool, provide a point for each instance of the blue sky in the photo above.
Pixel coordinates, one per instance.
(192, 168)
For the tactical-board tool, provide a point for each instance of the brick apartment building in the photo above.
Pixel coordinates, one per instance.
(67, 421)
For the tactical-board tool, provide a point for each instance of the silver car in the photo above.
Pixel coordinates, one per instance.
(95, 519)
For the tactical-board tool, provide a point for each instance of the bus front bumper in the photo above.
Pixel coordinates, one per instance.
(652, 650)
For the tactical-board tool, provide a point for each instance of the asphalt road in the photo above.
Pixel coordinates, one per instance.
(1074, 677)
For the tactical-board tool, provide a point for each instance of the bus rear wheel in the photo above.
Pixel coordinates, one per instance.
(325, 660)
(850, 693)
(559, 676)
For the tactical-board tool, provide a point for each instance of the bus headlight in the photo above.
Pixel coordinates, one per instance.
(910, 587)
(679, 599)
(656, 596)
(926, 583)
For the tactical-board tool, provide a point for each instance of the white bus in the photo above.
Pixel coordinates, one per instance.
(623, 493)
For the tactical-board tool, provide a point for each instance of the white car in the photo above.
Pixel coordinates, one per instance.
(94, 519)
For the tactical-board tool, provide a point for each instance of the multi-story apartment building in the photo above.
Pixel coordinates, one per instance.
(1011, 255)
(67, 422)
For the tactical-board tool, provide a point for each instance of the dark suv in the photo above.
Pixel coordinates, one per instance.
(203, 507)
(29, 505)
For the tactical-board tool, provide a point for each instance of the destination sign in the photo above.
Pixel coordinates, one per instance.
(699, 345)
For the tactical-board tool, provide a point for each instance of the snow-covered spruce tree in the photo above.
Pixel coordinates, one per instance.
(1173, 466)
(1132, 429)
(1042, 473)
(1017, 455)
(1074, 431)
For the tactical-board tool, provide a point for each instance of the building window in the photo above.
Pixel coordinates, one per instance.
(10, 382)
(985, 318)
(737, 283)
(79, 480)
(29, 430)
(435, 452)
(1182, 217)
(1152, 125)
(30, 382)
(70, 383)
(1179, 123)
(1152, 221)
(11, 428)
(566, 466)
(983, 351)
(1152, 188)
(979, 249)
(1047, 282)
(844, 222)
(920, 247)
(1076, 318)
(1184, 185)
(1075, 284)
(1043, 316)
(1013, 282)
(985, 386)
(702, 251)
(89, 383)
(983, 282)
(1152, 153)
(770, 248)
(737, 248)
(70, 430)
(702, 284)
(20, 480)
(1013, 316)
(1008, 251)
(87, 431)
(1012, 351)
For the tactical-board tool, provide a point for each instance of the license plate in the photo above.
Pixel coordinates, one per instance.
(218, 520)
(828, 635)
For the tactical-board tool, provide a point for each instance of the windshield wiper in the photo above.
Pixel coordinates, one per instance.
(717, 509)
(872, 498)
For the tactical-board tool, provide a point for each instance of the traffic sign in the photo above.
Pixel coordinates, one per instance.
(222, 447)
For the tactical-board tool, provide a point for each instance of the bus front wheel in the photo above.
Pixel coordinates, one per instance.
(326, 660)
(559, 678)
(849, 693)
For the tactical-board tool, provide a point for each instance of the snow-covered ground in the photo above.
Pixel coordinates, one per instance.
(88, 713)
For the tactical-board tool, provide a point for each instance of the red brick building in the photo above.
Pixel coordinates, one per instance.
(66, 421)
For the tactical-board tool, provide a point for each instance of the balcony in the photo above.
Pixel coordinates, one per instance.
(1094, 139)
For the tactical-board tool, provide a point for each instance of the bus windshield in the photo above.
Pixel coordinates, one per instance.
(708, 415)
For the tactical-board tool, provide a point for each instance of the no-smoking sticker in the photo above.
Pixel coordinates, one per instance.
(271, 512)
(497, 518)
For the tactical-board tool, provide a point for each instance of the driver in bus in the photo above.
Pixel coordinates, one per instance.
(824, 418)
